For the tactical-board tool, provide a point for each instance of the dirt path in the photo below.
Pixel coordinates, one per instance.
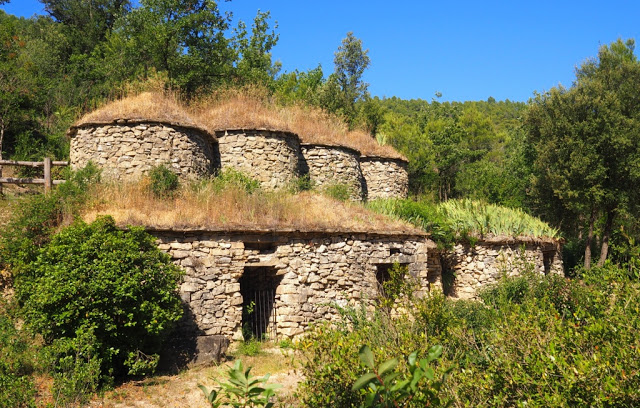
(181, 390)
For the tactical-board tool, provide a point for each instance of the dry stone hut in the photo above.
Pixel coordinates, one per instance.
(127, 138)
(125, 150)
(468, 268)
(269, 156)
(288, 279)
(385, 177)
(330, 165)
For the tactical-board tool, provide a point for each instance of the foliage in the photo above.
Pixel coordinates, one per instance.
(385, 387)
(115, 285)
(39, 216)
(242, 389)
(468, 216)
(250, 346)
(338, 191)
(345, 86)
(422, 214)
(232, 178)
(586, 145)
(16, 386)
(164, 182)
(534, 340)
(75, 364)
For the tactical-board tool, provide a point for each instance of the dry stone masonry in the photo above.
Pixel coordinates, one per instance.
(330, 165)
(268, 156)
(291, 279)
(482, 264)
(385, 177)
(127, 151)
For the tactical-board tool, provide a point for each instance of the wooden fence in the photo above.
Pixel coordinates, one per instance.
(47, 180)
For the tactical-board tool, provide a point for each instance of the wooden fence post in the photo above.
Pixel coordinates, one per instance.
(48, 182)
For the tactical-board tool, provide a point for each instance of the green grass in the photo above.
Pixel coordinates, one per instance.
(462, 218)
(469, 216)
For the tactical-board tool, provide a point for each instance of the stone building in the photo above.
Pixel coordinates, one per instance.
(469, 268)
(330, 165)
(277, 283)
(128, 149)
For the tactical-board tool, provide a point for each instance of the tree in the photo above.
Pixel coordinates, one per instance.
(88, 21)
(182, 38)
(586, 141)
(345, 86)
(254, 63)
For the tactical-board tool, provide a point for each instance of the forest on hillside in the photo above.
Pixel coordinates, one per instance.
(569, 156)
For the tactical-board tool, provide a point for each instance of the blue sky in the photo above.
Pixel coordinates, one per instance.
(467, 50)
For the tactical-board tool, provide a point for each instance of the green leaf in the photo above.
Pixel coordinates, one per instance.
(366, 356)
(363, 381)
(387, 366)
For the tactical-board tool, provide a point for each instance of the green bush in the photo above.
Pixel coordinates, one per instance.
(337, 191)
(302, 183)
(419, 213)
(242, 390)
(163, 182)
(232, 178)
(38, 216)
(16, 387)
(112, 283)
(535, 341)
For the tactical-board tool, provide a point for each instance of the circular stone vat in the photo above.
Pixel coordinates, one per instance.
(271, 157)
(331, 165)
(385, 177)
(126, 150)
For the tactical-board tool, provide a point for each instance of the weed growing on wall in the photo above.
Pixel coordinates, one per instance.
(163, 183)
(337, 191)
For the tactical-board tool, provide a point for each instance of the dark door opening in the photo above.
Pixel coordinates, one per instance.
(547, 260)
(258, 287)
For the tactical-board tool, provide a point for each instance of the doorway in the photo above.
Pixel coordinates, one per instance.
(258, 286)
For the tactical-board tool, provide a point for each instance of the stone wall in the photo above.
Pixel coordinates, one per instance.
(474, 267)
(330, 165)
(313, 271)
(128, 151)
(270, 157)
(385, 177)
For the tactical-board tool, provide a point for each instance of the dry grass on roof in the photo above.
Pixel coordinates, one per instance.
(254, 109)
(232, 209)
(155, 106)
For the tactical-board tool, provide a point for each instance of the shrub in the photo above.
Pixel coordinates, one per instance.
(337, 191)
(38, 217)
(419, 213)
(16, 387)
(300, 184)
(163, 182)
(232, 178)
(385, 387)
(114, 284)
(242, 390)
(536, 341)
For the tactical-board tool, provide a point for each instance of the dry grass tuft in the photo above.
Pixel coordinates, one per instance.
(202, 206)
(153, 106)
(252, 108)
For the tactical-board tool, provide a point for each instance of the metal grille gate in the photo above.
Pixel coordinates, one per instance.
(263, 319)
